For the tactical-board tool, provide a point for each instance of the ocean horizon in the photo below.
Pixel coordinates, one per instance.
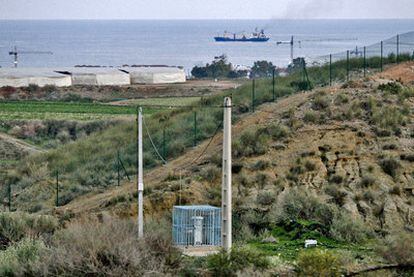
(184, 43)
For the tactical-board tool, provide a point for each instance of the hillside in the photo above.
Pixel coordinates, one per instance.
(334, 164)
(350, 145)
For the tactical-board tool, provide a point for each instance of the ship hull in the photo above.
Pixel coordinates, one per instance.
(223, 39)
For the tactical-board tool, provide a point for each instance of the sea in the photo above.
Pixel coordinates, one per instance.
(183, 43)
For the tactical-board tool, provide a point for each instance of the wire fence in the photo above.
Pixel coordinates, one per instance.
(174, 129)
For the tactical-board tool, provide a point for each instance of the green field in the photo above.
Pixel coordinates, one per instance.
(43, 110)
(173, 101)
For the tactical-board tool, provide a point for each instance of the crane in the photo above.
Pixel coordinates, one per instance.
(291, 42)
(15, 53)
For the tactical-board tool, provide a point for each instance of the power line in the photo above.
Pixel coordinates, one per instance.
(152, 143)
(205, 148)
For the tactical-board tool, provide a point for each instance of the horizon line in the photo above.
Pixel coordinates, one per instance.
(201, 19)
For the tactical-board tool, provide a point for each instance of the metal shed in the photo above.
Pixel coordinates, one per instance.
(196, 225)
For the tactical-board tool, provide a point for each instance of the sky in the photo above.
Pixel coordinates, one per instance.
(205, 9)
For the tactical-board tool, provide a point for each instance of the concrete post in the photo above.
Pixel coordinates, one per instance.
(140, 178)
(226, 201)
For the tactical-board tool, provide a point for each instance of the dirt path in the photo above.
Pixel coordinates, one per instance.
(20, 144)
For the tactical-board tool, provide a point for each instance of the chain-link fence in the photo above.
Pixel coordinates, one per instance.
(111, 158)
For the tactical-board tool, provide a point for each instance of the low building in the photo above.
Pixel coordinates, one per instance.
(23, 77)
(96, 76)
(155, 75)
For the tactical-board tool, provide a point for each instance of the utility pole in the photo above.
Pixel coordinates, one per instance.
(140, 182)
(226, 236)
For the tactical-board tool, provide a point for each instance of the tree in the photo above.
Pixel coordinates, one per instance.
(218, 68)
(262, 69)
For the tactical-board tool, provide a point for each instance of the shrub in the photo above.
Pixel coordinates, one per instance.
(32, 88)
(19, 259)
(348, 229)
(311, 117)
(251, 142)
(408, 157)
(398, 249)
(390, 166)
(261, 165)
(342, 98)
(210, 173)
(389, 118)
(338, 195)
(310, 166)
(336, 179)
(277, 131)
(367, 181)
(89, 246)
(316, 262)
(320, 102)
(15, 226)
(265, 198)
(396, 190)
(391, 87)
(301, 204)
(227, 264)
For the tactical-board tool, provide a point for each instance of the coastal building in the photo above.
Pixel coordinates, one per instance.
(23, 77)
(155, 75)
(96, 76)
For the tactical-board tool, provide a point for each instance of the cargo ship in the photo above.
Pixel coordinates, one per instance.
(254, 37)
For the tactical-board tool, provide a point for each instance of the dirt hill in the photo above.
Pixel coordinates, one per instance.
(350, 145)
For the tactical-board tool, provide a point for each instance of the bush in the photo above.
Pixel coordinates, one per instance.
(398, 249)
(111, 248)
(210, 173)
(320, 102)
(318, 262)
(16, 226)
(348, 229)
(408, 157)
(227, 264)
(19, 259)
(390, 166)
(261, 165)
(391, 87)
(367, 181)
(251, 142)
(265, 198)
(301, 204)
(311, 117)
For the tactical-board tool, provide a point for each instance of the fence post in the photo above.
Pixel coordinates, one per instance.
(398, 48)
(330, 69)
(164, 149)
(9, 196)
(347, 65)
(273, 85)
(365, 61)
(382, 56)
(57, 188)
(253, 94)
(195, 128)
(118, 165)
